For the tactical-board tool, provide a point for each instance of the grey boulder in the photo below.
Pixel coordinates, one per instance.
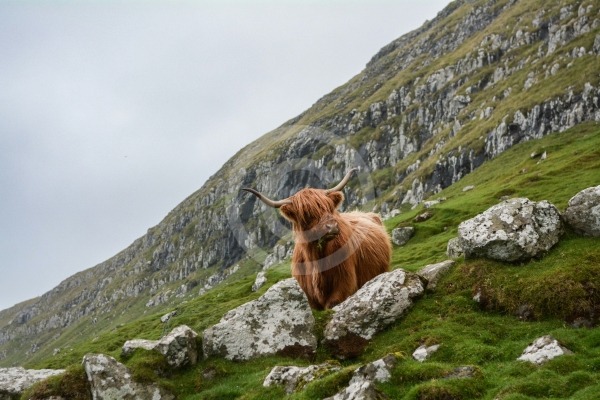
(14, 381)
(583, 212)
(278, 322)
(179, 346)
(515, 230)
(110, 380)
(375, 306)
(434, 272)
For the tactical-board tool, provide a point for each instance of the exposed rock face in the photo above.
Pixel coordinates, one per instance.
(295, 378)
(433, 272)
(110, 380)
(514, 230)
(375, 306)
(583, 212)
(543, 349)
(401, 236)
(361, 386)
(280, 321)
(14, 381)
(179, 346)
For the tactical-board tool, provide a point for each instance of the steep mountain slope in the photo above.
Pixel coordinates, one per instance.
(428, 109)
(522, 302)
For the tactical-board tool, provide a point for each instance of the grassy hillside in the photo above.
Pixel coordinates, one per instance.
(556, 289)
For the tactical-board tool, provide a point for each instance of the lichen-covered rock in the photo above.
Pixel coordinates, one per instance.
(423, 352)
(110, 380)
(379, 303)
(400, 236)
(278, 322)
(433, 272)
(361, 386)
(179, 346)
(453, 249)
(514, 230)
(543, 349)
(583, 212)
(294, 378)
(14, 381)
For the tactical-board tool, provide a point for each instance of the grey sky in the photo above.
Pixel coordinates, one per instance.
(113, 112)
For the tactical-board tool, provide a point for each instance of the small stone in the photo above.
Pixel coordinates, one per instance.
(463, 372)
(401, 236)
(542, 350)
(433, 272)
(423, 217)
(165, 318)
(260, 280)
(423, 352)
(178, 346)
(295, 378)
(362, 384)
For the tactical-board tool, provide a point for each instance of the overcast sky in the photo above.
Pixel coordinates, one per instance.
(113, 112)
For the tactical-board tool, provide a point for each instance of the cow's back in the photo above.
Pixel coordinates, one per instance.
(373, 249)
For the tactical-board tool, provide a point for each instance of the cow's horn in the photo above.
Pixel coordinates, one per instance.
(266, 200)
(341, 185)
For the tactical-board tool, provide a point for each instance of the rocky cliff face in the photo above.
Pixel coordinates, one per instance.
(429, 108)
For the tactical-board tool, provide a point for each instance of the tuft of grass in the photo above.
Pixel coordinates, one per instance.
(72, 385)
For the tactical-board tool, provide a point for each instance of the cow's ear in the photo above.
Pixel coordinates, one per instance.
(287, 212)
(337, 198)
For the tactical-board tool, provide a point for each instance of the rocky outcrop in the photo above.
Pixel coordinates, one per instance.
(583, 212)
(110, 380)
(514, 230)
(543, 349)
(294, 378)
(178, 346)
(375, 306)
(278, 322)
(14, 381)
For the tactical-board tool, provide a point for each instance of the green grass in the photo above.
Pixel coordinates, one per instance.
(488, 337)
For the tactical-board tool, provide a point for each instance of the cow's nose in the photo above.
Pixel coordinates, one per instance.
(332, 228)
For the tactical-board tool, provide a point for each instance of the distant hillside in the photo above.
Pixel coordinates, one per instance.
(428, 109)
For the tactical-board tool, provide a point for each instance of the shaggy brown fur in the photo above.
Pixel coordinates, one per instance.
(335, 253)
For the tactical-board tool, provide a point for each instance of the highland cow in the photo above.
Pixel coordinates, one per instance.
(335, 253)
